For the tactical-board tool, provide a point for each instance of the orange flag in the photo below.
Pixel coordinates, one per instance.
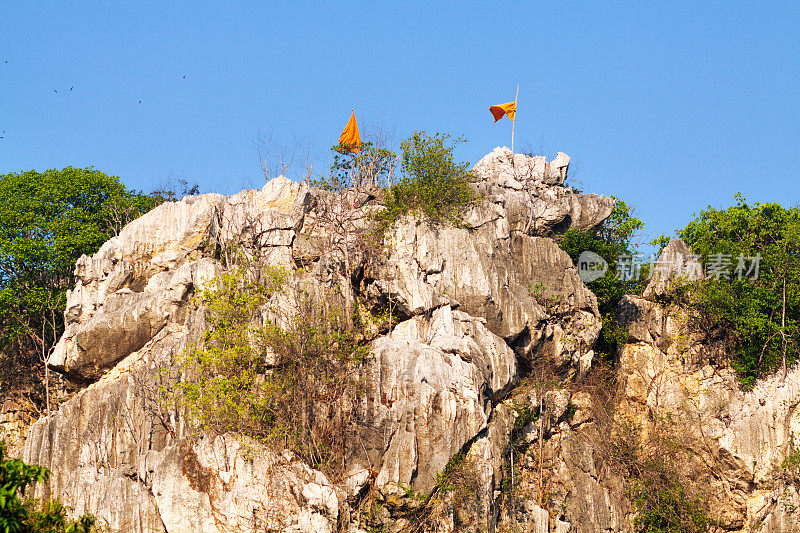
(498, 111)
(350, 136)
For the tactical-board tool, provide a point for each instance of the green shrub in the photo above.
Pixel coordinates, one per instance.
(611, 241)
(225, 390)
(790, 466)
(662, 503)
(432, 183)
(32, 516)
(286, 384)
(659, 494)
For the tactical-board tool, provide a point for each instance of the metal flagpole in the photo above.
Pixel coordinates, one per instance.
(514, 122)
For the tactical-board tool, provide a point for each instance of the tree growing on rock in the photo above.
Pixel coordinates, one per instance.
(611, 241)
(47, 221)
(288, 380)
(346, 202)
(432, 183)
(750, 297)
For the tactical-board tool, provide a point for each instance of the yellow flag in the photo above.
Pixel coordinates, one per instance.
(350, 136)
(498, 111)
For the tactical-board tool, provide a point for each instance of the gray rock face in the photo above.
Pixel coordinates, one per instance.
(738, 440)
(729, 445)
(112, 450)
(230, 484)
(133, 286)
(431, 384)
(675, 261)
(114, 453)
(526, 288)
(581, 493)
(102, 445)
(527, 194)
(741, 438)
(466, 303)
(498, 267)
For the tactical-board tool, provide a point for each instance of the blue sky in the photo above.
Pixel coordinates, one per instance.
(671, 106)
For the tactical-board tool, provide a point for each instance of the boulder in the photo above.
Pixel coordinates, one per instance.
(526, 288)
(430, 388)
(230, 484)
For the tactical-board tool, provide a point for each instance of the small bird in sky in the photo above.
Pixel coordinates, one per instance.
(55, 91)
(184, 77)
(71, 87)
(140, 101)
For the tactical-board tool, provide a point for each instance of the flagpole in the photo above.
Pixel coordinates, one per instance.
(514, 122)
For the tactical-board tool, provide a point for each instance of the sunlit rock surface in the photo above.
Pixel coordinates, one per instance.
(473, 305)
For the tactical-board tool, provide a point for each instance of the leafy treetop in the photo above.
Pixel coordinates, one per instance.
(755, 315)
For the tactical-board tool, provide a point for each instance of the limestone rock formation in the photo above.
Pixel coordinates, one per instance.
(468, 303)
(431, 384)
(676, 261)
(429, 267)
(469, 307)
(730, 446)
(527, 194)
(132, 287)
(738, 440)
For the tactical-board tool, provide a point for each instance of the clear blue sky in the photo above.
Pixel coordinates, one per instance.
(670, 106)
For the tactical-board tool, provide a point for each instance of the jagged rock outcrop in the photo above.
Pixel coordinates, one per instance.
(672, 389)
(468, 302)
(736, 441)
(528, 303)
(675, 261)
(526, 194)
(226, 483)
(430, 387)
(469, 307)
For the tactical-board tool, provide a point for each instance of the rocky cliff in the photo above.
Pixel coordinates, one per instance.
(734, 443)
(477, 308)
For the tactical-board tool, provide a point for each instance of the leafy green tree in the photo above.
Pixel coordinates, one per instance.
(432, 183)
(47, 221)
(29, 516)
(611, 241)
(751, 306)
